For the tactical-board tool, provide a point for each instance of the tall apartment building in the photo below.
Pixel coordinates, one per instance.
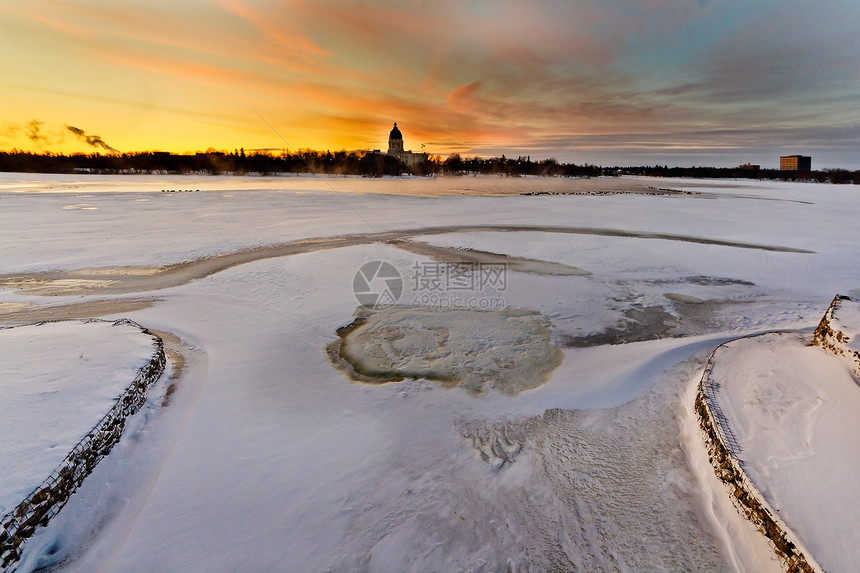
(795, 163)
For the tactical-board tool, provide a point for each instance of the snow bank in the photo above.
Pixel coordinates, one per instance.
(723, 453)
(57, 380)
(780, 416)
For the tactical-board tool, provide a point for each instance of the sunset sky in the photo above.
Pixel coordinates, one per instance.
(611, 82)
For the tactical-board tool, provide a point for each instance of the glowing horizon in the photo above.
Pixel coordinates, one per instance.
(684, 82)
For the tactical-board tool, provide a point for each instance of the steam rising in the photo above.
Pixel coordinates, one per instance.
(94, 140)
(33, 130)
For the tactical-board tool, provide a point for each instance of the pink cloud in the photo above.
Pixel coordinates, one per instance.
(286, 39)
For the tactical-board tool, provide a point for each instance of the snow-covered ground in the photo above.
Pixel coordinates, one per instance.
(57, 381)
(269, 458)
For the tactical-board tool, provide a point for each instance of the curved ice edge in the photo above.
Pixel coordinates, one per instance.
(49, 497)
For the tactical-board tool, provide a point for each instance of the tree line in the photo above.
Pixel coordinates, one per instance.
(825, 176)
(368, 164)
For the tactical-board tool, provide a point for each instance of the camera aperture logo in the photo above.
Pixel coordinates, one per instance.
(444, 285)
(377, 285)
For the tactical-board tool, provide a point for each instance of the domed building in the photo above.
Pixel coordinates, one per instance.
(395, 141)
(395, 148)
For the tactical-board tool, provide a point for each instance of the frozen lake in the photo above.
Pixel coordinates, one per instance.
(269, 457)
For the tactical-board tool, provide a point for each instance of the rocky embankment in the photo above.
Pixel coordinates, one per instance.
(836, 334)
(836, 331)
(51, 495)
(723, 453)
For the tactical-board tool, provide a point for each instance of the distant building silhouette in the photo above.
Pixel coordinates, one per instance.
(795, 163)
(749, 166)
(395, 141)
(395, 148)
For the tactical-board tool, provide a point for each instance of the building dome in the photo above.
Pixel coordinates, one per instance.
(395, 133)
